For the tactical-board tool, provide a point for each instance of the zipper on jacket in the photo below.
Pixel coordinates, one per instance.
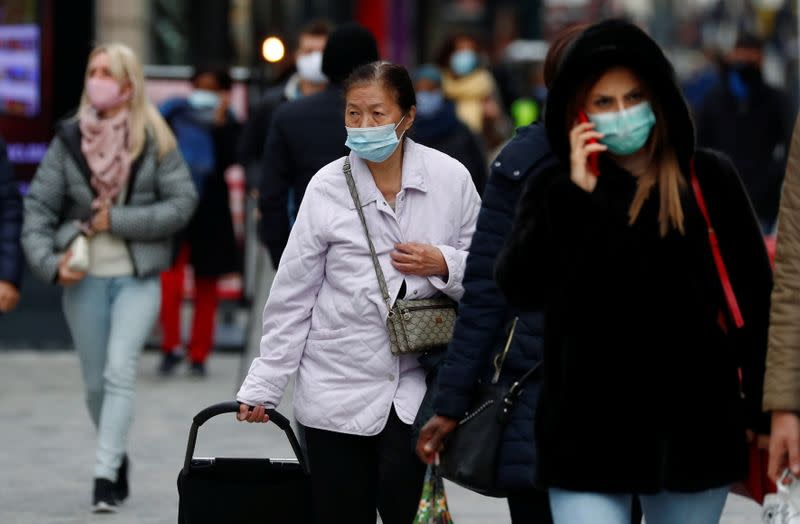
(423, 308)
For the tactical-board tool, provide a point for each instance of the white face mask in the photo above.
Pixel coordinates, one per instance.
(309, 67)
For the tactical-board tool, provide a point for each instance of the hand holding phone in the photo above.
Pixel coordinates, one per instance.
(585, 146)
(593, 160)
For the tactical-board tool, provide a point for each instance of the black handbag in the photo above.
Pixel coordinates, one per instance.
(469, 457)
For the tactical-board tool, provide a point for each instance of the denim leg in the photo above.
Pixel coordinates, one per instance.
(86, 309)
(704, 507)
(573, 507)
(134, 309)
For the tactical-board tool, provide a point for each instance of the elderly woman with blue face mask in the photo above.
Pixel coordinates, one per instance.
(326, 315)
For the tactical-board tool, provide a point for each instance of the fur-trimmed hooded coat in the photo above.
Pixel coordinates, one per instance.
(641, 390)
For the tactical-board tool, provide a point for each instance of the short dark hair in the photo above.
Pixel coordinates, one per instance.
(747, 40)
(220, 74)
(393, 77)
(318, 27)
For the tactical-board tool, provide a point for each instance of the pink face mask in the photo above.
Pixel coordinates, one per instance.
(104, 93)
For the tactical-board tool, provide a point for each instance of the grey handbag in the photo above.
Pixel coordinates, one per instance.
(414, 326)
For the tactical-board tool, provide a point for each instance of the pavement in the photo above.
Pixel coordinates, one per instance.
(47, 440)
(47, 443)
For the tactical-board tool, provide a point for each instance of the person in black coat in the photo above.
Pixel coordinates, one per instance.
(11, 257)
(438, 127)
(752, 122)
(642, 395)
(307, 134)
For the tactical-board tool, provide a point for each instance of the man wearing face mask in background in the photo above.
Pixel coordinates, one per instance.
(307, 134)
(438, 127)
(207, 134)
(307, 80)
(751, 122)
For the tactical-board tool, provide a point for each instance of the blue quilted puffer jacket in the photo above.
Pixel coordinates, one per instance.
(484, 315)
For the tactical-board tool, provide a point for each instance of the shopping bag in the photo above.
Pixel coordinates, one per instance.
(783, 507)
(433, 503)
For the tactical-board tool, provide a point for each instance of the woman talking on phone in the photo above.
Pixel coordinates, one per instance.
(648, 318)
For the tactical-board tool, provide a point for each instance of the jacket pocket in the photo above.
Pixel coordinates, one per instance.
(327, 334)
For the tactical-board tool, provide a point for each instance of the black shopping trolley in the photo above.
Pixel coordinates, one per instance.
(243, 490)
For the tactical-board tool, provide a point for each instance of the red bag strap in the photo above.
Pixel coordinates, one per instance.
(727, 288)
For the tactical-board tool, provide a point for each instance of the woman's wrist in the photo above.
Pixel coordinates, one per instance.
(444, 270)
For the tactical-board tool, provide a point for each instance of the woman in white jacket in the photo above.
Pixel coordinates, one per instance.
(326, 320)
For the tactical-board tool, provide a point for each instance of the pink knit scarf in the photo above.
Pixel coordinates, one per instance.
(104, 143)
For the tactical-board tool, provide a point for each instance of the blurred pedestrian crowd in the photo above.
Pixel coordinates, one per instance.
(578, 212)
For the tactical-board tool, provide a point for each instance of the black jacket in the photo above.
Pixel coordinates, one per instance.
(305, 135)
(484, 315)
(641, 391)
(755, 133)
(254, 132)
(11, 258)
(213, 248)
(443, 131)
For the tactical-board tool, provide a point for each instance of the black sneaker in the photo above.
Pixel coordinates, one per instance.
(197, 369)
(169, 361)
(104, 501)
(121, 489)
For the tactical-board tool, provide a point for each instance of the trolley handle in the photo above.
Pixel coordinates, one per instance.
(233, 407)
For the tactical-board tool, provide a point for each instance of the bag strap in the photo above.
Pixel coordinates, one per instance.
(513, 393)
(500, 358)
(351, 184)
(727, 287)
(516, 388)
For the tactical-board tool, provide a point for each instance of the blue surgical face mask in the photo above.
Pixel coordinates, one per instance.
(429, 102)
(625, 132)
(203, 99)
(375, 144)
(464, 62)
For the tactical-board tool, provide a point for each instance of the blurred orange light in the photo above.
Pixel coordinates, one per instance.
(273, 49)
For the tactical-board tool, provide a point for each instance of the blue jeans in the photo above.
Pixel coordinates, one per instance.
(110, 319)
(572, 507)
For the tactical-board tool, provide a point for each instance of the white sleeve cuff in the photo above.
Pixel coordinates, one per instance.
(256, 392)
(455, 261)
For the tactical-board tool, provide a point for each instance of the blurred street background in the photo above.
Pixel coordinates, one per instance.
(46, 441)
(173, 35)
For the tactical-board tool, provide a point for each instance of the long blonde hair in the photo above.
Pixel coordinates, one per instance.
(126, 68)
